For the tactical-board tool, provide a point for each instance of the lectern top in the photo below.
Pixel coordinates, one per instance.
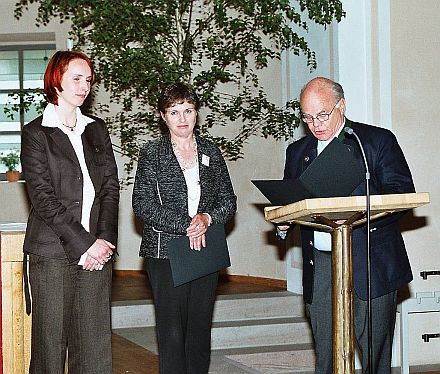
(340, 208)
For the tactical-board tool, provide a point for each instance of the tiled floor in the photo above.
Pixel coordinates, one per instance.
(130, 358)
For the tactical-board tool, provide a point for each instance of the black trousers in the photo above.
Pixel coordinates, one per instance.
(320, 314)
(183, 319)
(70, 310)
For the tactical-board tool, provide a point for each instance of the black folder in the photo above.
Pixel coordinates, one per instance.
(188, 264)
(282, 191)
(335, 172)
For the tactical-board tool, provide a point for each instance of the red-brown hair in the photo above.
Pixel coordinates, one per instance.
(55, 70)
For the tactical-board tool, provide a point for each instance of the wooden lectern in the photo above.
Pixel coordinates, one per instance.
(322, 214)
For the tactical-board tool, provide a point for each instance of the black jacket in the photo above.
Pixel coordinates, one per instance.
(54, 183)
(389, 174)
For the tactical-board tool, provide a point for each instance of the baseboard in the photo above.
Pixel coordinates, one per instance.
(128, 273)
(270, 282)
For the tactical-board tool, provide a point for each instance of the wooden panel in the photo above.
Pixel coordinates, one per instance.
(8, 357)
(12, 246)
(338, 208)
(16, 325)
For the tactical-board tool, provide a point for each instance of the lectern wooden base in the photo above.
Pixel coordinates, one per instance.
(321, 214)
(15, 323)
(342, 300)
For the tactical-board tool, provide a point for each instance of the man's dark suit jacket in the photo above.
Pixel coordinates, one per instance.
(390, 268)
(54, 183)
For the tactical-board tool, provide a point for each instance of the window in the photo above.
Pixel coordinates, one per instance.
(21, 79)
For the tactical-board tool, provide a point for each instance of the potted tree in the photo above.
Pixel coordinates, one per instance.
(11, 161)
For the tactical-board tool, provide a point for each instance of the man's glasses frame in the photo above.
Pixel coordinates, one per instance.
(321, 117)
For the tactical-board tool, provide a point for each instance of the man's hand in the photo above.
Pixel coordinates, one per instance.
(283, 227)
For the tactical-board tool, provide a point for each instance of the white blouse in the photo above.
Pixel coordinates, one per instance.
(192, 180)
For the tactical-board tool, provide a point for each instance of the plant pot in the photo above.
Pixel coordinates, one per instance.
(12, 175)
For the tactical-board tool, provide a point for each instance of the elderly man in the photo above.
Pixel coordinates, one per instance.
(323, 107)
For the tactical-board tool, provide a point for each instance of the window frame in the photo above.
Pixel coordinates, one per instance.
(21, 48)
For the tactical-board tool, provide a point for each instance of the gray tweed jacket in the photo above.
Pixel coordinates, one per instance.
(160, 196)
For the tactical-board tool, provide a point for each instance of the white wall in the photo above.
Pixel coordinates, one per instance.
(26, 28)
(415, 52)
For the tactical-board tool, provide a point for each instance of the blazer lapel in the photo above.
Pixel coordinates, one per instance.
(310, 153)
(166, 157)
(92, 142)
(351, 142)
(64, 144)
(204, 171)
(169, 171)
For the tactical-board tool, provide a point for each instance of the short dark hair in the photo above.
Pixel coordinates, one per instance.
(57, 66)
(177, 93)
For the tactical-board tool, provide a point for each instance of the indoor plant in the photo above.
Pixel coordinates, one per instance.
(11, 161)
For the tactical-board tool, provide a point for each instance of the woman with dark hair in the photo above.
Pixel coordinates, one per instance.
(72, 183)
(182, 186)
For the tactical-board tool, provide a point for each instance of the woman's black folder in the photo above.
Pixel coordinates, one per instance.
(188, 264)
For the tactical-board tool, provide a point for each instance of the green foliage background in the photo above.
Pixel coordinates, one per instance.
(217, 45)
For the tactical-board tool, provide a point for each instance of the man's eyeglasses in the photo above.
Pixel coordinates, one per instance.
(321, 117)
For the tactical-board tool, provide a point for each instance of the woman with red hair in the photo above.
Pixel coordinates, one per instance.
(72, 183)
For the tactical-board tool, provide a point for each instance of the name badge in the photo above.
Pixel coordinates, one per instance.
(205, 160)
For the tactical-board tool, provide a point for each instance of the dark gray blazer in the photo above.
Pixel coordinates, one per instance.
(166, 216)
(54, 183)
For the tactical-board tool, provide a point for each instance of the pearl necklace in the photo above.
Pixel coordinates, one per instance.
(184, 165)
